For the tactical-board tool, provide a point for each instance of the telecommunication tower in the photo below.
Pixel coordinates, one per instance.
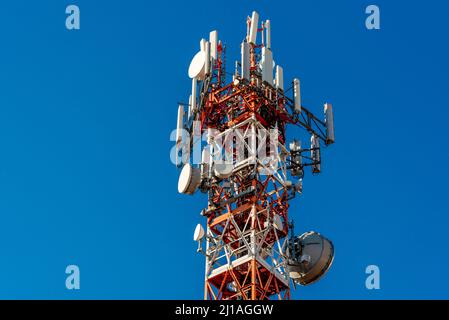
(236, 134)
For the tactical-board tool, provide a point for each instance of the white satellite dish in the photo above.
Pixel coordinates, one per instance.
(199, 233)
(197, 68)
(313, 259)
(223, 170)
(189, 179)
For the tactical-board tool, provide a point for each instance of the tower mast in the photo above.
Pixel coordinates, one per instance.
(247, 171)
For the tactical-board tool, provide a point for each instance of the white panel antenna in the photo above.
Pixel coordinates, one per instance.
(207, 64)
(205, 159)
(297, 95)
(254, 26)
(329, 119)
(203, 44)
(179, 124)
(268, 34)
(279, 78)
(245, 60)
(267, 65)
(194, 81)
(190, 107)
(248, 27)
(213, 39)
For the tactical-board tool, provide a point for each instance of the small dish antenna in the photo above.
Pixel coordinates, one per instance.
(223, 170)
(199, 233)
(197, 68)
(189, 179)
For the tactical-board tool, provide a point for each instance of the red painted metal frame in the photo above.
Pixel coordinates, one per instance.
(224, 107)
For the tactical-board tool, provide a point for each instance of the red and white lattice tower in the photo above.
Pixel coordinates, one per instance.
(236, 134)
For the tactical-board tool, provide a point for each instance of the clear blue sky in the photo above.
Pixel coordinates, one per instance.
(85, 118)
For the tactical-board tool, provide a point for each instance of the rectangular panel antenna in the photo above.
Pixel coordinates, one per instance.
(297, 95)
(254, 25)
(279, 78)
(329, 119)
(267, 66)
(213, 39)
(245, 60)
(268, 34)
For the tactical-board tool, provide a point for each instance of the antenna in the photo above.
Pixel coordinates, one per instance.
(253, 28)
(279, 78)
(198, 235)
(311, 256)
(315, 153)
(213, 39)
(268, 34)
(245, 60)
(329, 118)
(189, 179)
(197, 69)
(250, 171)
(179, 124)
(194, 85)
(267, 66)
(297, 95)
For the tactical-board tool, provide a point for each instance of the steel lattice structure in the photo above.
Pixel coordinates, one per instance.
(246, 238)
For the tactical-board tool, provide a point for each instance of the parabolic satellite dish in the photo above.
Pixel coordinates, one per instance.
(197, 68)
(199, 233)
(223, 170)
(311, 257)
(189, 179)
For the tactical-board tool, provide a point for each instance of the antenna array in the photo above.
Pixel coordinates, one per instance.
(248, 172)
